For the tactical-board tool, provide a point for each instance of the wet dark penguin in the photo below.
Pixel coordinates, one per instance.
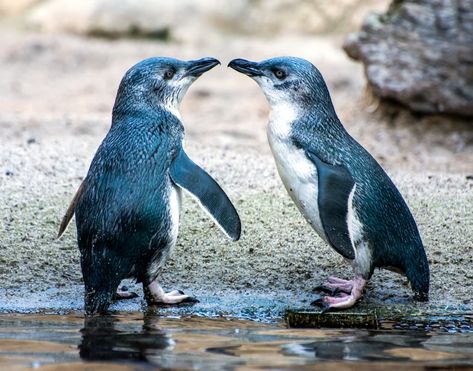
(127, 208)
(337, 185)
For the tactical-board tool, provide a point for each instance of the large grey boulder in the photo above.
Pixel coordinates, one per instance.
(420, 53)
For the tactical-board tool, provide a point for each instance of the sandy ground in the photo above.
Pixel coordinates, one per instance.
(57, 94)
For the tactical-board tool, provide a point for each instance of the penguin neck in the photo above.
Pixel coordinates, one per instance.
(133, 108)
(281, 116)
(172, 108)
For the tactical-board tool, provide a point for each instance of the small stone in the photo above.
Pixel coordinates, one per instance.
(8, 172)
(31, 141)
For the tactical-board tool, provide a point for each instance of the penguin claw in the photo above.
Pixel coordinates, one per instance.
(332, 291)
(322, 304)
(190, 300)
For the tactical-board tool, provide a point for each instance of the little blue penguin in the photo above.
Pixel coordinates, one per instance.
(127, 208)
(336, 184)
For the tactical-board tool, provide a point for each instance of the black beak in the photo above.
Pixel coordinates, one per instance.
(199, 66)
(247, 67)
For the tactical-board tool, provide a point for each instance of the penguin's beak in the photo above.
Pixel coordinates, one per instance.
(197, 67)
(249, 68)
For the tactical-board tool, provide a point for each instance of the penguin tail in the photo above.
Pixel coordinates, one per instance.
(419, 276)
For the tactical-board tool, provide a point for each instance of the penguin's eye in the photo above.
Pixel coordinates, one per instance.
(168, 75)
(280, 74)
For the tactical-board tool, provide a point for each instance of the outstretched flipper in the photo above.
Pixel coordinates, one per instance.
(335, 187)
(70, 210)
(187, 175)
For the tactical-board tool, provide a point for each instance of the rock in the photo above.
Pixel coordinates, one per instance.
(420, 53)
(188, 19)
(110, 18)
(15, 7)
(270, 17)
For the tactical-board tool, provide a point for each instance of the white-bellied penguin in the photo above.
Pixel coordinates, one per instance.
(336, 184)
(127, 208)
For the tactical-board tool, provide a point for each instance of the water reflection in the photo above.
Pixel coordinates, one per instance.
(135, 340)
(108, 338)
(387, 347)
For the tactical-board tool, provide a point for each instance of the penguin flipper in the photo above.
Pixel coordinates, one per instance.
(70, 210)
(335, 185)
(187, 175)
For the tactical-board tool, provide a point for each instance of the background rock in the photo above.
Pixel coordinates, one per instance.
(420, 53)
(109, 18)
(14, 7)
(186, 18)
(266, 17)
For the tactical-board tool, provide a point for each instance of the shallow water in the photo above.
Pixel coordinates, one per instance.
(135, 340)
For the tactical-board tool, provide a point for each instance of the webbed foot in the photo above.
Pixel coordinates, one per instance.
(343, 300)
(155, 295)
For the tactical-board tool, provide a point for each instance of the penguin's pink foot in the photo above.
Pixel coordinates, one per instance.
(122, 294)
(155, 295)
(344, 300)
(335, 285)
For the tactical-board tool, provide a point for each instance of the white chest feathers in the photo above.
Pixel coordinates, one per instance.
(297, 172)
(174, 211)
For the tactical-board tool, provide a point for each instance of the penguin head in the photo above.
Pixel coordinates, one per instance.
(287, 80)
(160, 81)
